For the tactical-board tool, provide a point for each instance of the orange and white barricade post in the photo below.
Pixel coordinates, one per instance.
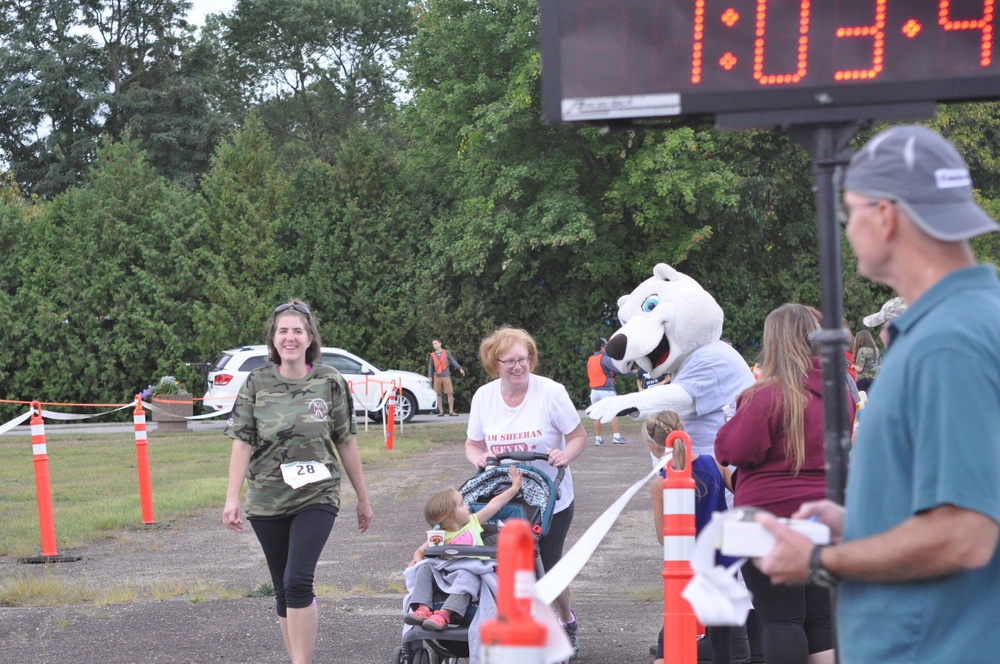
(43, 491)
(399, 396)
(390, 416)
(680, 626)
(43, 488)
(142, 462)
(514, 636)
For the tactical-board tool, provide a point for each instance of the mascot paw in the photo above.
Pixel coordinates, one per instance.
(608, 409)
(640, 405)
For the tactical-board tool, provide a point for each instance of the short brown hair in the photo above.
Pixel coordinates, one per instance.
(300, 309)
(440, 507)
(502, 341)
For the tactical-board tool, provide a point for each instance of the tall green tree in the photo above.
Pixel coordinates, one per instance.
(105, 312)
(72, 71)
(16, 215)
(51, 83)
(242, 200)
(356, 241)
(311, 70)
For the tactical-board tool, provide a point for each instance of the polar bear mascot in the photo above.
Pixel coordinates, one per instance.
(671, 325)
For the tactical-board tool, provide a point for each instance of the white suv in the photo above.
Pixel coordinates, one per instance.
(368, 382)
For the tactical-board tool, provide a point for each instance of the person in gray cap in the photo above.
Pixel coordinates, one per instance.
(889, 312)
(915, 546)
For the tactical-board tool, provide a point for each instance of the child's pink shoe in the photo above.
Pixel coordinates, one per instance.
(417, 617)
(437, 621)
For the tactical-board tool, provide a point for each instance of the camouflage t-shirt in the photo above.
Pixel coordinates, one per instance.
(287, 420)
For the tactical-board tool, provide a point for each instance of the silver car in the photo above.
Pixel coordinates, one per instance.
(370, 385)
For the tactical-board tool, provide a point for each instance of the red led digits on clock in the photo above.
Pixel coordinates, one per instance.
(624, 59)
(699, 35)
(985, 24)
(803, 47)
(877, 33)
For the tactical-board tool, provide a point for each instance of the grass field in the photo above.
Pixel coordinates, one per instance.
(94, 480)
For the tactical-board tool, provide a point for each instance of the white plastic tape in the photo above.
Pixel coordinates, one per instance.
(53, 415)
(7, 426)
(204, 416)
(556, 580)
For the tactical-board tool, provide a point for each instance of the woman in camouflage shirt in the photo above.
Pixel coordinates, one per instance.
(287, 420)
(866, 359)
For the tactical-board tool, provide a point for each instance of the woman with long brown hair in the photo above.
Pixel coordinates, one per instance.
(866, 359)
(775, 440)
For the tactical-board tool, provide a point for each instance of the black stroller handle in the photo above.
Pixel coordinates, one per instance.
(462, 550)
(526, 456)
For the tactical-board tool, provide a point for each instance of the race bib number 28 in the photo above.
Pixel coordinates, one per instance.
(300, 473)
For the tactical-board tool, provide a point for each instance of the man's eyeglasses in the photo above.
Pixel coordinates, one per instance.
(523, 361)
(844, 210)
(301, 308)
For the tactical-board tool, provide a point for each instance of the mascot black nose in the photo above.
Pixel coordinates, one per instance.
(616, 347)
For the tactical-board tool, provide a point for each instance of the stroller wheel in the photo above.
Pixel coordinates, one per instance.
(419, 656)
(437, 658)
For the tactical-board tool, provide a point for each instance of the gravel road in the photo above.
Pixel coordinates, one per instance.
(360, 577)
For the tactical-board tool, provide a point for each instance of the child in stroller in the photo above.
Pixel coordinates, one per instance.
(533, 502)
(447, 510)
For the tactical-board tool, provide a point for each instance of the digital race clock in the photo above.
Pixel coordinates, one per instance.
(617, 59)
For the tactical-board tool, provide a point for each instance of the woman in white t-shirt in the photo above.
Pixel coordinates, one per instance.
(523, 412)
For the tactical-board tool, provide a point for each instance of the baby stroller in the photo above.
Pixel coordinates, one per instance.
(534, 503)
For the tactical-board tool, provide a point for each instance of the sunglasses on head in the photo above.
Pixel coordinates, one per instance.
(301, 308)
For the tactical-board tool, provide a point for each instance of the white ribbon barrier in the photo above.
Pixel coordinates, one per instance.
(557, 579)
(73, 417)
(203, 416)
(7, 426)
(53, 415)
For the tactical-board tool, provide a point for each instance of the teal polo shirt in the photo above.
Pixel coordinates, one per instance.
(929, 436)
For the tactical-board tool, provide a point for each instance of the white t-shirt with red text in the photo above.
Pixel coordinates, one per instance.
(539, 424)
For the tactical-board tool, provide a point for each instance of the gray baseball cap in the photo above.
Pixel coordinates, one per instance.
(926, 176)
(891, 310)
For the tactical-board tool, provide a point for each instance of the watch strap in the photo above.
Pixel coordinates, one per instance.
(819, 575)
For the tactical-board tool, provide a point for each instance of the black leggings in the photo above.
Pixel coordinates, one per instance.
(727, 645)
(292, 546)
(797, 619)
(550, 547)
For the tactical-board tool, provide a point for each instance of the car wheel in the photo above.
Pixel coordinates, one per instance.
(406, 408)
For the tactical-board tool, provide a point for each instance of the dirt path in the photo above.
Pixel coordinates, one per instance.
(360, 578)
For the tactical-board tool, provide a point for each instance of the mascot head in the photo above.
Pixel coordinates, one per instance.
(664, 320)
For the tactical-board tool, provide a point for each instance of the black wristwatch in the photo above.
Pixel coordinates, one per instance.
(819, 575)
